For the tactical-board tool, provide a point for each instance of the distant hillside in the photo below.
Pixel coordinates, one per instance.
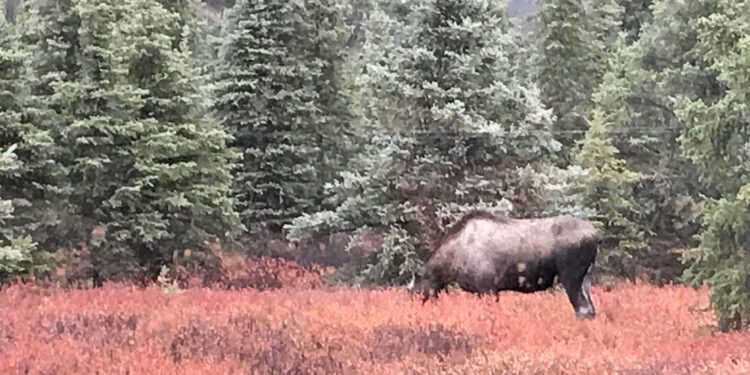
(522, 8)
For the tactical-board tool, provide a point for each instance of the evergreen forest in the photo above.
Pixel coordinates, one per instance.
(138, 135)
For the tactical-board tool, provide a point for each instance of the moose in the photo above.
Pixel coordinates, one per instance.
(487, 253)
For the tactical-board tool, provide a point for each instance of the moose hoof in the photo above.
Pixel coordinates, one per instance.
(585, 314)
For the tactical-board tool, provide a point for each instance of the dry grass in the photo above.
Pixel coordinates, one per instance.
(117, 329)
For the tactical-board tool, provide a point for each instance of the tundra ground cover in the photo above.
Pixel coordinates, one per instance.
(118, 329)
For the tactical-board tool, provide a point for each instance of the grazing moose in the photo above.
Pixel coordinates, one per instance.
(486, 253)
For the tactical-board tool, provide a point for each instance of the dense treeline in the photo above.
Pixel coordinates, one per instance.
(133, 135)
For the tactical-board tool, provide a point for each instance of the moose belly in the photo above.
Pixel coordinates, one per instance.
(527, 276)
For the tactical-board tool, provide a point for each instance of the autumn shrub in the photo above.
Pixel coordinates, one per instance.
(393, 342)
(73, 268)
(92, 329)
(241, 338)
(337, 249)
(251, 341)
(7, 332)
(122, 329)
(246, 273)
(238, 271)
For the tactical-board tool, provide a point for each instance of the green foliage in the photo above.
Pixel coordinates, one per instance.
(365, 198)
(452, 81)
(451, 122)
(25, 165)
(397, 260)
(563, 191)
(178, 195)
(563, 43)
(100, 138)
(278, 92)
(635, 14)
(636, 97)
(35, 188)
(356, 13)
(118, 86)
(16, 253)
(603, 24)
(609, 187)
(574, 44)
(168, 285)
(717, 141)
(345, 115)
(362, 192)
(721, 260)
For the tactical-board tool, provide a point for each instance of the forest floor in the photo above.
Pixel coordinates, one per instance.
(640, 329)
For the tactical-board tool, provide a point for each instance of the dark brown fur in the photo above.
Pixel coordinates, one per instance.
(486, 253)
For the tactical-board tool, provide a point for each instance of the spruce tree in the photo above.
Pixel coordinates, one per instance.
(34, 188)
(124, 100)
(178, 196)
(609, 186)
(604, 20)
(638, 100)
(468, 104)
(187, 33)
(635, 14)
(717, 142)
(278, 92)
(16, 252)
(575, 40)
(452, 121)
(564, 69)
(100, 138)
(24, 150)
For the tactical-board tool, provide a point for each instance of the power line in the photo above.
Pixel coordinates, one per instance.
(629, 130)
(457, 133)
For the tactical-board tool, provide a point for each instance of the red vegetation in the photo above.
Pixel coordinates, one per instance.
(240, 272)
(640, 329)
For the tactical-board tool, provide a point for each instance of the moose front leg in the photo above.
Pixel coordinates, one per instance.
(578, 287)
